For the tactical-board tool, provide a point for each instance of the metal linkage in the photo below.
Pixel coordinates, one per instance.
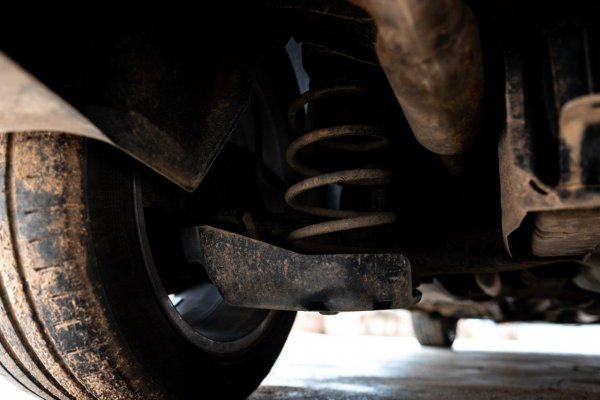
(254, 274)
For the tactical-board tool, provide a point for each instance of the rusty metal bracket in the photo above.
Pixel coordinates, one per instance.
(522, 191)
(564, 213)
(255, 274)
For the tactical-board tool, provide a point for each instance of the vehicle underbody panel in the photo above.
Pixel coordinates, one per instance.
(450, 144)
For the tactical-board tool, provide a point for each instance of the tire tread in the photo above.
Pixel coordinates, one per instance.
(53, 330)
(434, 331)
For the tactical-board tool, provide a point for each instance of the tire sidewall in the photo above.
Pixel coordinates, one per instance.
(119, 269)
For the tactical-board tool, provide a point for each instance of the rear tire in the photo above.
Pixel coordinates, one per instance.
(437, 331)
(80, 318)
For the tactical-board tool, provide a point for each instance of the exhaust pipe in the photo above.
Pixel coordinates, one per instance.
(430, 52)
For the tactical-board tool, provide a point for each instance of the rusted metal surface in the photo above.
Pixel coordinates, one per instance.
(374, 139)
(550, 151)
(333, 26)
(430, 52)
(566, 232)
(250, 273)
(522, 190)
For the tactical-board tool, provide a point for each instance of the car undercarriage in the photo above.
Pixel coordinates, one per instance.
(278, 156)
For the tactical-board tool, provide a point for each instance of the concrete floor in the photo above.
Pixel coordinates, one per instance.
(316, 366)
(332, 367)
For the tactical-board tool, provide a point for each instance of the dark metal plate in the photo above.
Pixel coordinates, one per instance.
(250, 273)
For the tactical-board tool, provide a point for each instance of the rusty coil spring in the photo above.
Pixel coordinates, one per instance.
(342, 220)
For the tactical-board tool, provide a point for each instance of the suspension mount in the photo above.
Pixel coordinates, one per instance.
(255, 274)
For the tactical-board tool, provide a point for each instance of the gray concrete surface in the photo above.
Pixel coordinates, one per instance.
(334, 367)
(316, 366)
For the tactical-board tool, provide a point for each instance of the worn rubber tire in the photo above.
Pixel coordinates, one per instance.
(433, 330)
(79, 319)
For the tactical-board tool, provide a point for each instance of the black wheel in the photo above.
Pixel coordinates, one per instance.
(434, 330)
(97, 299)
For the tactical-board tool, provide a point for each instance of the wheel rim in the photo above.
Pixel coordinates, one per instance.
(199, 314)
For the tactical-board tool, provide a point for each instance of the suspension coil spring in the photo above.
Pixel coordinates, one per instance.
(332, 138)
